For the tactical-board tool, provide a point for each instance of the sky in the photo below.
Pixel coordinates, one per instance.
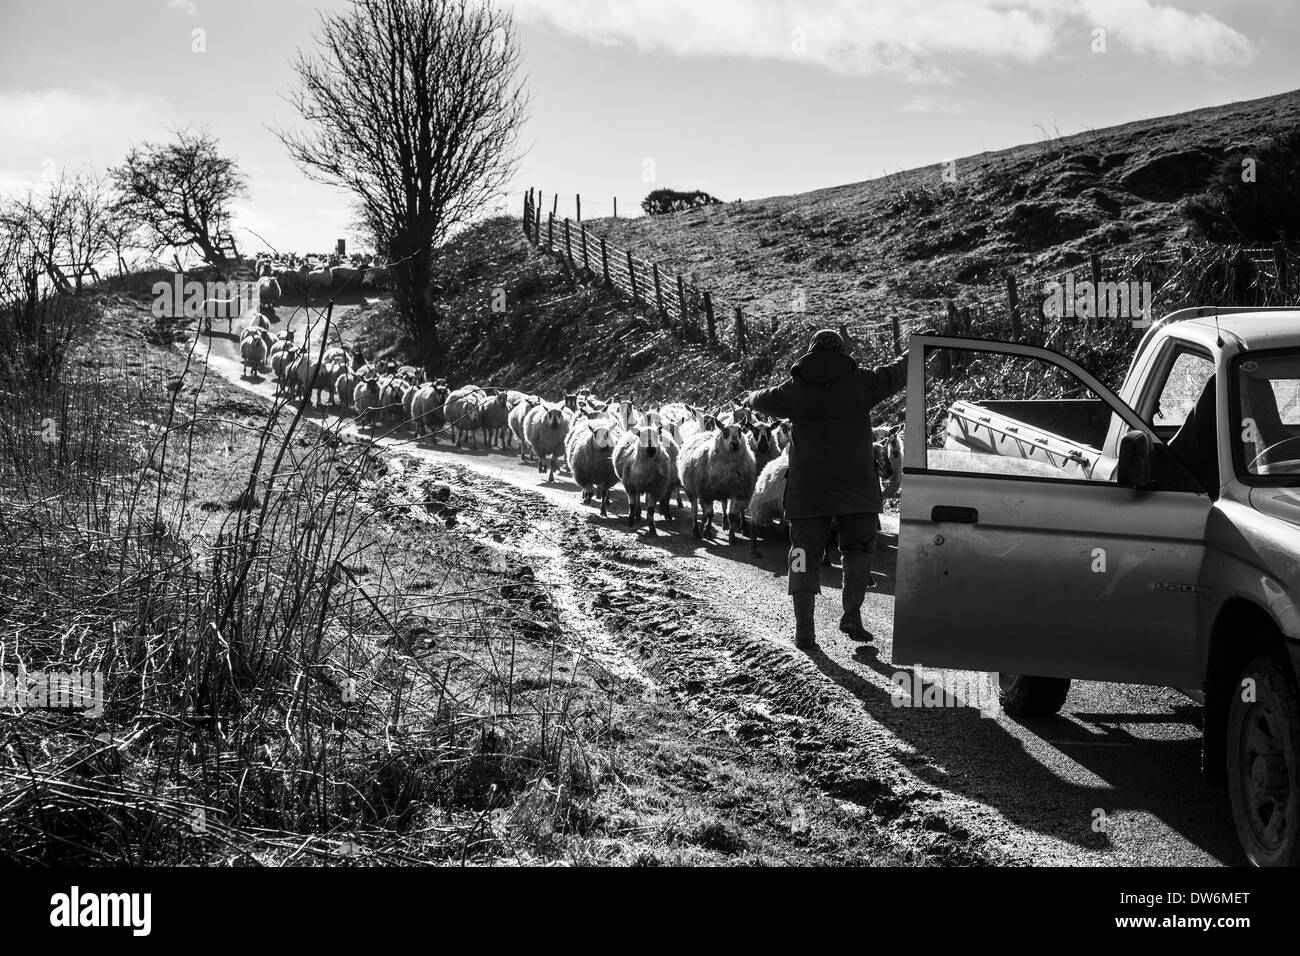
(741, 98)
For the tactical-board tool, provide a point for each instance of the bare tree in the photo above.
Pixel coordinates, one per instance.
(414, 106)
(180, 192)
(61, 233)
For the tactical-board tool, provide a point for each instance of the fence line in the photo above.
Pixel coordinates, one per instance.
(1016, 313)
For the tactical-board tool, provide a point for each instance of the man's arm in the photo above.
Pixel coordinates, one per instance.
(776, 402)
(886, 380)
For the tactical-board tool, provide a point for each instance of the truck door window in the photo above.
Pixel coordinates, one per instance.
(1268, 399)
(1187, 376)
(997, 414)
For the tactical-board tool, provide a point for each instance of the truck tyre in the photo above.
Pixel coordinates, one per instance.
(1263, 762)
(1024, 696)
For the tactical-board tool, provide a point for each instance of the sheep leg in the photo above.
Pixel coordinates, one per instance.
(551, 476)
(696, 531)
(709, 531)
(604, 502)
(650, 513)
(734, 520)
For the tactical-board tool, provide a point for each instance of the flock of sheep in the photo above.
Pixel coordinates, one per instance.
(737, 459)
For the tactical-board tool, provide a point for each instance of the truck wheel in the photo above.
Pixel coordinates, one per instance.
(1023, 696)
(1264, 762)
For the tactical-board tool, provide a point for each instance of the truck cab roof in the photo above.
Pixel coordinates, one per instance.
(1257, 328)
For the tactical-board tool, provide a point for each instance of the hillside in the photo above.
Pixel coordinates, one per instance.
(898, 246)
(904, 243)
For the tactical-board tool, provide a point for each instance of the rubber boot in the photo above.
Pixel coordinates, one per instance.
(805, 628)
(857, 578)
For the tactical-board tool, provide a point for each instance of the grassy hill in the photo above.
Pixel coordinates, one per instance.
(905, 243)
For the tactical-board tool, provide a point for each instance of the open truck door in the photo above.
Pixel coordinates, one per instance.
(1016, 559)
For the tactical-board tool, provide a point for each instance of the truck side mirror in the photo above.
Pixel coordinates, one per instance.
(1136, 454)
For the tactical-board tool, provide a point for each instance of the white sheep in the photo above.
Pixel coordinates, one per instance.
(494, 419)
(268, 292)
(427, 408)
(345, 386)
(316, 376)
(767, 504)
(252, 352)
(718, 466)
(643, 462)
(365, 401)
(589, 450)
(464, 409)
(546, 427)
(516, 419)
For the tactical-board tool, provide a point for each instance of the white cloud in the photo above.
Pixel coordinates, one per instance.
(919, 41)
(69, 128)
(929, 104)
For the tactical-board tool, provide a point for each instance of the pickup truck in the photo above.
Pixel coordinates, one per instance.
(1146, 537)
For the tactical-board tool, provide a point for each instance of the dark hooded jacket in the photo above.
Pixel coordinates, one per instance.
(828, 400)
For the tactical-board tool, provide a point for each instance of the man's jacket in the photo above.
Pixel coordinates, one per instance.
(828, 400)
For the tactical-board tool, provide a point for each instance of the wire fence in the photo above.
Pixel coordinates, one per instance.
(1057, 309)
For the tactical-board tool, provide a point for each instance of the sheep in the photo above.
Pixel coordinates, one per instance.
(645, 469)
(365, 400)
(782, 435)
(375, 277)
(546, 427)
(888, 448)
(718, 467)
(494, 419)
(392, 399)
(767, 503)
(763, 445)
(257, 320)
(589, 450)
(344, 277)
(692, 428)
(316, 376)
(626, 414)
(463, 413)
(345, 387)
(268, 292)
(252, 353)
(518, 415)
(427, 408)
(282, 354)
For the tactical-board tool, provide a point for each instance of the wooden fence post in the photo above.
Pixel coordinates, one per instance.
(740, 331)
(555, 205)
(1013, 304)
(631, 271)
(550, 232)
(898, 333)
(708, 318)
(659, 291)
(681, 299)
(604, 259)
(1279, 259)
(568, 246)
(579, 202)
(615, 207)
(586, 256)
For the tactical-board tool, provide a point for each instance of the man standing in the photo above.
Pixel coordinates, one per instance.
(828, 400)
